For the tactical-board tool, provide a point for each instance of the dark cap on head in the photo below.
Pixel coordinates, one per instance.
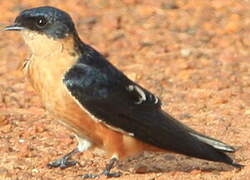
(48, 20)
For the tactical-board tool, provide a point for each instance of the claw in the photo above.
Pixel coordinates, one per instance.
(93, 176)
(89, 176)
(105, 172)
(61, 163)
(64, 161)
(115, 174)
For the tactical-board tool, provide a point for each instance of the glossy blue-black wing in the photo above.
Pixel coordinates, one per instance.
(118, 102)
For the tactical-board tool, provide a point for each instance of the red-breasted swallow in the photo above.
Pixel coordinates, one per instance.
(100, 104)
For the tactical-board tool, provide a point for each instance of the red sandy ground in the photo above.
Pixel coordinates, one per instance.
(193, 54)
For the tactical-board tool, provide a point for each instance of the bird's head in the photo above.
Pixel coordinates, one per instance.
(43, 26)
(50, 21)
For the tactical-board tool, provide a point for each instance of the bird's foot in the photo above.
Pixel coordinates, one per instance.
(106, 172)
(93, 176)
(61, 163)
(109, 174)
(64, 161)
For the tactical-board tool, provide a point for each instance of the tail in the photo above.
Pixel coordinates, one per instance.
(211, 141)
(208, 148)
(174, 136)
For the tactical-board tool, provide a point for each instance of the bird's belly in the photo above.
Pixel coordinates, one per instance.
(62, 106)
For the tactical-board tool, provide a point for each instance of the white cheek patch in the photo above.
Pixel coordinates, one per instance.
(31, 37)
(41, 44)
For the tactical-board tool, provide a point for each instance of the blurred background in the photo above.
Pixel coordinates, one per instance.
(194, 55)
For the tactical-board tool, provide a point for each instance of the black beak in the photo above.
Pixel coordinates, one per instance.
(14, 27)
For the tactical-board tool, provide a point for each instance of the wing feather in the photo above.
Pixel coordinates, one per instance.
(108, 95)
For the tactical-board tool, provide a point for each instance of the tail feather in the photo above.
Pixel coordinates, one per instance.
(220, 156)
(213, 142)
(199, 145)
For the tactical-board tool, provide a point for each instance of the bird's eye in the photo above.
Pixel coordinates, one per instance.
(41, 22)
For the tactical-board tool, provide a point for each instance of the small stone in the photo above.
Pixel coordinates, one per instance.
(185, 52)
(141, 169)
(195, 172)
(35, 171)
(247, 112)
(3, 119)
(21, 140)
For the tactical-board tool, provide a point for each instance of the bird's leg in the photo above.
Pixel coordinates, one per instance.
(83, 145)
(106, 171)
(108, 168)
(64, 161)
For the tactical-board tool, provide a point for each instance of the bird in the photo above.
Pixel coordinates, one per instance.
(105, 109)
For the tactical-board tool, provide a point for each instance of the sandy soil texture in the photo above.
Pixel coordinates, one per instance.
(193, 54)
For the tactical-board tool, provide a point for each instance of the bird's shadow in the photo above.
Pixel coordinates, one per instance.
(148, 162)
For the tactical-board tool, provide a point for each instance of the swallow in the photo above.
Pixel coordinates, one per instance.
(101, 105)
